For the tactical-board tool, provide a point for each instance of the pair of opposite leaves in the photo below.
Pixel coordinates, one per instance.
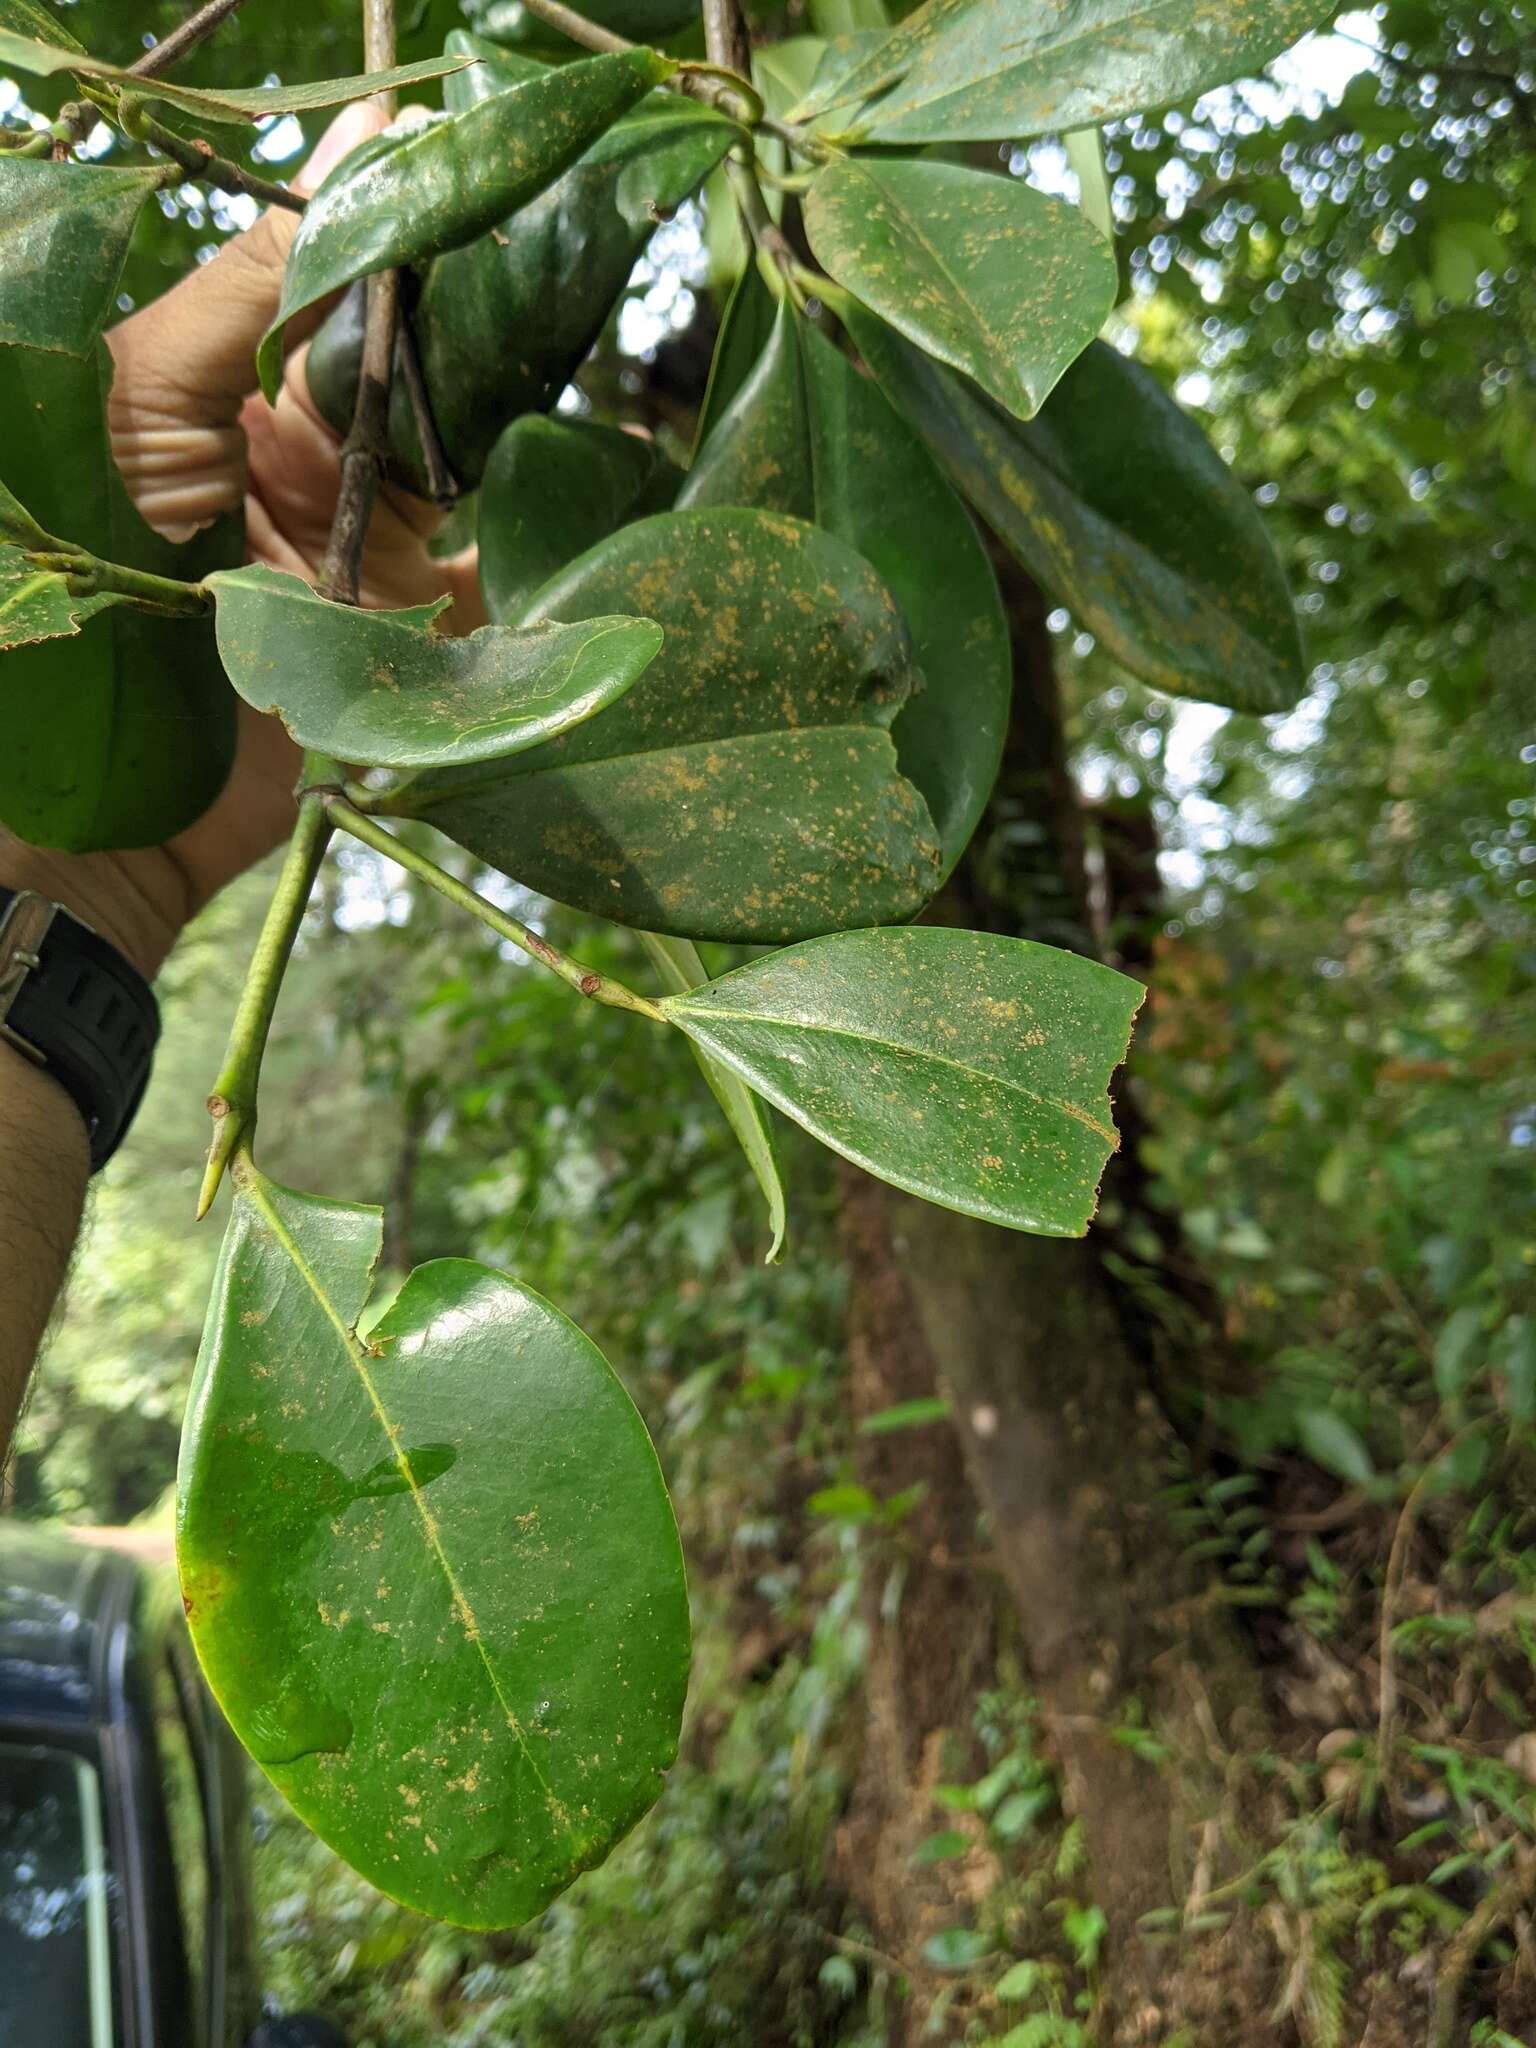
(683, 808)
(149, 738)
(865, 223)
(771, 775)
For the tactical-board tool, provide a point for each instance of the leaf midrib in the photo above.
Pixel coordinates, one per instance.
(889, 71)
(913, 227)
(1208, 601)
(490, 778)
(1022, 450)
(1081, 38)
(891, 1046)
(254, 1191)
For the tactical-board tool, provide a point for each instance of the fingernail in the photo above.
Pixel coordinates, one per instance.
(354, 124)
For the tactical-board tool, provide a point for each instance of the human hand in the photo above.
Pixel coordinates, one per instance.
(192, 442)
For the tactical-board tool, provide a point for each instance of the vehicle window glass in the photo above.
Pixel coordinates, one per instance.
(184, 1806)
(55, 1934)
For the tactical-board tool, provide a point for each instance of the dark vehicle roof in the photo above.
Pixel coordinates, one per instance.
(59, 1604)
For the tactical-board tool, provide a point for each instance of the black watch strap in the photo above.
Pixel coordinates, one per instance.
(72, 1004)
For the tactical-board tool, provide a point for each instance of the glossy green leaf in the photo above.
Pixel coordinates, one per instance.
(842, 55)
(38, 24)
(808, 435)
(433, 1578)
(678, 964)
(783, 71)
(747, 787)
(979, 270)
(996, 70)
(38, 604)
(122, 734)
(554, 488)
(442, 183)
(217, 103)
(382, 689)
(64, 231)
(968, 1068)
(502, 324)
(1117, 504)
(745, 327)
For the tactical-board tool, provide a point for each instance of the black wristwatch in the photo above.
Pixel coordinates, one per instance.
(74, 1006)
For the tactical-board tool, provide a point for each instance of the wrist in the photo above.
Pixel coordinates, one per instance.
(137, 901)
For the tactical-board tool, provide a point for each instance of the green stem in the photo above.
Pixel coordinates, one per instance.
(765, 233)
(734, 83)
(1085, 154)
(813, 147)
(233, 1101)
(196, 159)
(790, 181)
(723, 88)
(589, 34)
(598, 988)
(232, 1105)
(90, 577)
(19, 528)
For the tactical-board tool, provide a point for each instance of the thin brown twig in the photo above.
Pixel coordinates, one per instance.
(590, 35)
(729, 46)
(78, 117)
(364, 450)
(725, 37)
(172, 48)
(697, 85)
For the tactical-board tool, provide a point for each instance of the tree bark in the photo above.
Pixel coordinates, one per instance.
(1144, 1683)
(930, 1622)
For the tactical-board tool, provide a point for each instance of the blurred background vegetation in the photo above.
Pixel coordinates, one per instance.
(1323, 1224)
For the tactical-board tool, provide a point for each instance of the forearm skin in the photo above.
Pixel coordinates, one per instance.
(136, 902)
(44, 1166)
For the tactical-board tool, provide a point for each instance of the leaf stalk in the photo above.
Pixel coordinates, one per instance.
(767, 237)
(199, 160)
(88, 576)
(727, 87)
(597, 988)
(365, 450)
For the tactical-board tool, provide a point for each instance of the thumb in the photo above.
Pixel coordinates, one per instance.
(184, 363)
